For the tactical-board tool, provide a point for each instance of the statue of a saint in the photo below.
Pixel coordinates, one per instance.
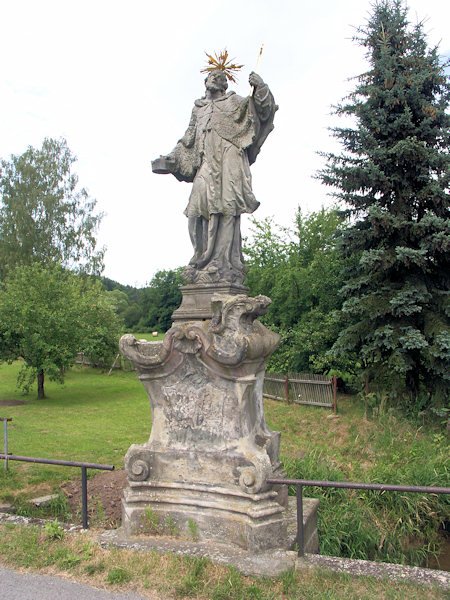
(223, 139)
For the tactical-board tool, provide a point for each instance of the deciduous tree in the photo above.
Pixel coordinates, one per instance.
(160, 299)
(48, 315)
(44, 216)
(301, 271)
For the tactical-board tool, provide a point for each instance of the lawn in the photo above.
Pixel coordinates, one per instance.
(149, 336)
(93, 417)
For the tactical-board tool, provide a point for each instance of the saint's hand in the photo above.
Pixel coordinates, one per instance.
(164, 164)
(255, 80)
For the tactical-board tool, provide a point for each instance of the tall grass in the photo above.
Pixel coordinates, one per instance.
(386, 526)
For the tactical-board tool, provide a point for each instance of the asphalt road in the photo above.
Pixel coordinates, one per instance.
(25, 586)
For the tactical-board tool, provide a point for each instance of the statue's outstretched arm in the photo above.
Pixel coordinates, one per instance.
(262, 97)
(169, 163)
(189, 137)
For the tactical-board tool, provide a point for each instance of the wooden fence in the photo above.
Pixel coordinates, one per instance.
(119, 363)
(301, 388)
(82, 359)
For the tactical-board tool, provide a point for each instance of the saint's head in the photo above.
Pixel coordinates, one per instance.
(216, 81)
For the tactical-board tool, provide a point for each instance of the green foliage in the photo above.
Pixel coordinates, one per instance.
(126, 301)
(229, 587)
(387, 526)
(44, 217)
(68, 561)
(149, 308)
(93, 418)
(170, 526)
(94, 568)
(394, 176)
(26, 549)
(154, 525)
(289, 581)
(193, 528)
(96, 418)
(58, 507)
(193, 581)
(118, 575)
(160, 299)
(47, 315)
(172, 576)
(301, 271)
(98, 519)
(54, 530)
(150, 521)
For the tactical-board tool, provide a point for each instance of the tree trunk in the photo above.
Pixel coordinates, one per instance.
(40, 382)
(413, 378)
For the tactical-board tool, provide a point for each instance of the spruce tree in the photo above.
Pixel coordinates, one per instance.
(393, 176)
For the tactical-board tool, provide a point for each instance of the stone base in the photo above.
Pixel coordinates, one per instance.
(196, 302)
(205, 467)
(251, 521)
(269, 562)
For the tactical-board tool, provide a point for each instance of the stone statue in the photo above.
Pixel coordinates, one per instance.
(211, 455)
(223, 139)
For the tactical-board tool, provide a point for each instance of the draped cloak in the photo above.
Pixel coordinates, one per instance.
(223, 138)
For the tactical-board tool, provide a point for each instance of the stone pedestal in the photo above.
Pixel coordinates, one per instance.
(203, 471)
(196, 303)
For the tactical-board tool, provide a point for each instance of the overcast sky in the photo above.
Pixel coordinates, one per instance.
(118, 80)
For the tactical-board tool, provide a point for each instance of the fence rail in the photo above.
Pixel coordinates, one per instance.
(119, 363)
(384, 487)
(302, 388)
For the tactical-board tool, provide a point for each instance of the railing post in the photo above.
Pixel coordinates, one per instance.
(5, 441)
(84, 497)
(300, 540)
(286, 384)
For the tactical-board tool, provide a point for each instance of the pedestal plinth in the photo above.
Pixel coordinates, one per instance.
(196, 303)
(203, 471)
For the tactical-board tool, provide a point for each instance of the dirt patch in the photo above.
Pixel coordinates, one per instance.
(105, 492)
(11, 402)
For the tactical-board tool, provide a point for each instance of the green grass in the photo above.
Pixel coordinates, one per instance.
(151, 575)
(58, 508)
(93, 417)
(149, 337)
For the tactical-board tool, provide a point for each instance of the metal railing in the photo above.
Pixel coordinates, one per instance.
(66, 463)
(383, 487)
(5, 420)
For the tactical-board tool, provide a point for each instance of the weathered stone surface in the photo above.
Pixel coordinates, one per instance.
(366, 568)
(44, 500)
(223, 139)
(196, 300)
(210, 450)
